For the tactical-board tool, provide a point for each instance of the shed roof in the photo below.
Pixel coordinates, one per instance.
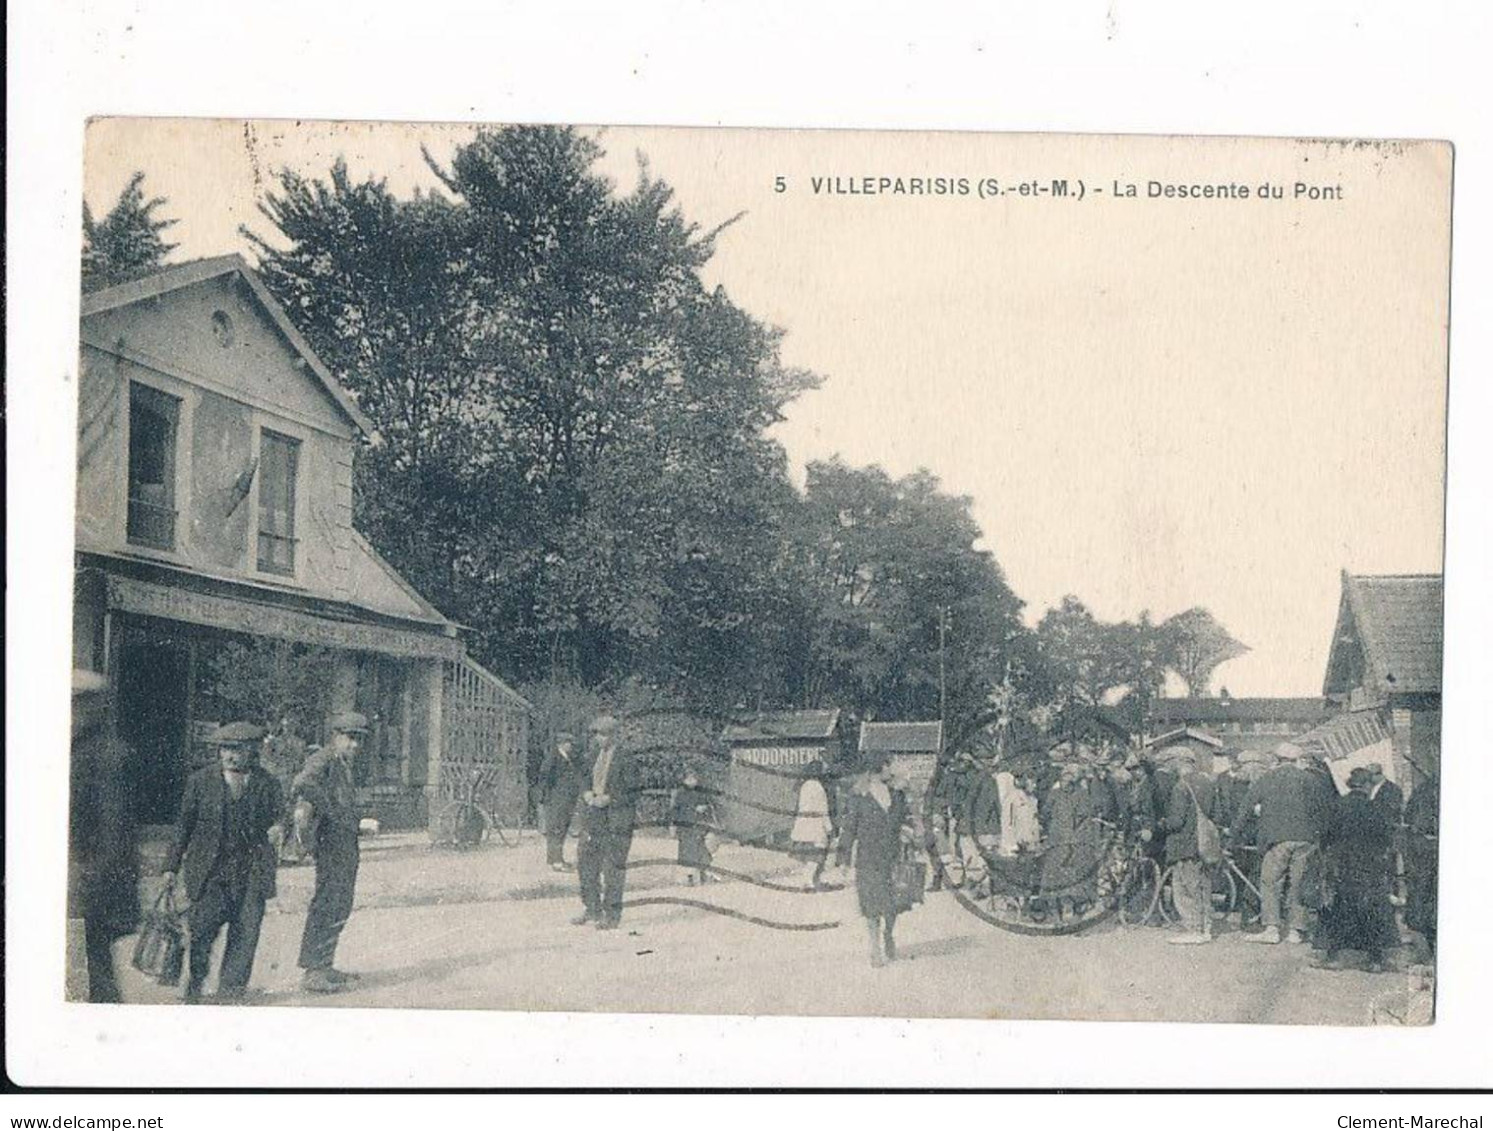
(195, 271)
(902, 738)
(815, 725)
(1396, 621)
(1182, 734)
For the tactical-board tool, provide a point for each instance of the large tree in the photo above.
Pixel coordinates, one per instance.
(127, 242)
(574, 457)
(1196, 645)
(894, 590)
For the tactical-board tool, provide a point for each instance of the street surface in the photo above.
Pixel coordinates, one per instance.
(490, 929)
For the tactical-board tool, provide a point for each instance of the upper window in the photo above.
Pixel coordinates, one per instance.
(277, 470)
(151, 516)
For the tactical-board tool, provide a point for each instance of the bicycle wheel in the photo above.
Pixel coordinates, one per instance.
(1139, 892)
(1248, 901)
(445, 830)
(1225, 892)
(506, 837)
(1166, 900)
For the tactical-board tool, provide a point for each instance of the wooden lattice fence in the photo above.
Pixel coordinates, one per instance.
(485, 727)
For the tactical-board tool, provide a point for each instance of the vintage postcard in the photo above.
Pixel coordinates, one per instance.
(758, 572)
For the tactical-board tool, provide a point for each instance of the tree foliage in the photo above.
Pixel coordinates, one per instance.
(127, 242)
(264, 680)
(1196, 645)
(574, 457)
(899, 603)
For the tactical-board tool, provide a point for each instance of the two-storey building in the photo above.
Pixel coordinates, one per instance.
(214, 506)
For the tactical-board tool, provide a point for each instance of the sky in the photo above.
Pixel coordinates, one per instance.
(1154, 402)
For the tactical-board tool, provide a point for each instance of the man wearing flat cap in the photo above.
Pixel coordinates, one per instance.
(222, 850)
(561, 780)
(326, 819)
(608, 811)
(1292, 807)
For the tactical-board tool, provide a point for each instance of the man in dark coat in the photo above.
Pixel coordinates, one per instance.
(326, 817)
(223, 852)
(1422, 824)
(1242, 840)
(561, 780)
(1384, 793)
(1163, 784)
(1357, 844)
(102, 862)
(1391, 802)
(609, 811)
(1294, 807)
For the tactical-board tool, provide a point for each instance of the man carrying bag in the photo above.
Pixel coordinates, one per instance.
(227, 864)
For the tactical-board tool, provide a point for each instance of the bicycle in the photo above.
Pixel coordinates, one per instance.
(1137, 885)
(1226, 880)
(464, 822)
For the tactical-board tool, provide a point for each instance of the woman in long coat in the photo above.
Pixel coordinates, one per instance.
(875, 823)
(1357, 846)
(1080, 819)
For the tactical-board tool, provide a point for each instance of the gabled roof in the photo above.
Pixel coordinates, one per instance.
(1395, 619)
(180, 275)
(370, 574)
(902, 738)
(1182, 734)
(811, 725)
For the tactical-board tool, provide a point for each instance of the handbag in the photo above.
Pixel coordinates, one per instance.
(1210, 843)
(162, 941)
(909, 878)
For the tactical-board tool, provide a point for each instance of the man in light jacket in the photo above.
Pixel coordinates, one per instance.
(1195, 795)
(608, 812)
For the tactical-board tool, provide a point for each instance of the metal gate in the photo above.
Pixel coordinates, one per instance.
(484, 726)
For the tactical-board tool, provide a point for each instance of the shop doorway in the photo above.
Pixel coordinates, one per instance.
(153, 706)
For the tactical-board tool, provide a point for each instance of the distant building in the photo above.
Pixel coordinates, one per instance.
(769, 754)
(214, 506)
(1384, 669)
(1241, 724)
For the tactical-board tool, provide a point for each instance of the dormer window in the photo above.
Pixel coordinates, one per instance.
(151, 514)
(278, 456)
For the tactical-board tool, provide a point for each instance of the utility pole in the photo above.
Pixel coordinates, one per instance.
(943, 690)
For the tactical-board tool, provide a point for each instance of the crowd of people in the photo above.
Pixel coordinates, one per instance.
(1321, 865)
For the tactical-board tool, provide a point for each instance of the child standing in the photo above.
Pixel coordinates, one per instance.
(693, 820)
